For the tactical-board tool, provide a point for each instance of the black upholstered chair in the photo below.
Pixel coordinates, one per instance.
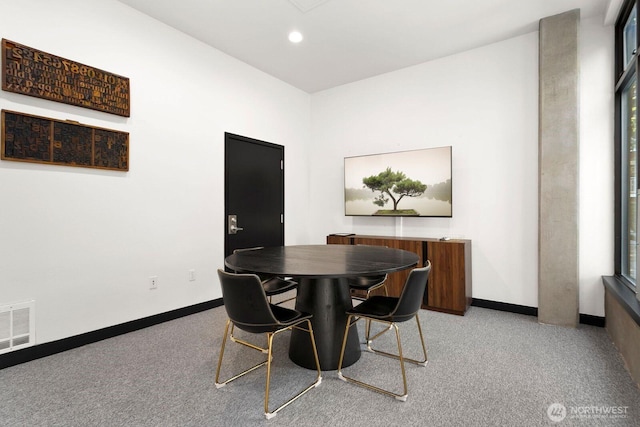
(391, 311)
(273, 285)
(249, 310)
(367, 284)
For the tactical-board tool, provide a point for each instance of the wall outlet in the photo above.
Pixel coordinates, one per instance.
(192, 275)
(153, 282)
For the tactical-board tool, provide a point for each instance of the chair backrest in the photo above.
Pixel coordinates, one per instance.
(248, 249)
(246, 303)
(262, 277)
(411, 298)
(369, 280)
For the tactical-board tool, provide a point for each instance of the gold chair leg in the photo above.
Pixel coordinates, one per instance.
(369, 338)
(270, 336)
(424, 346)
(270, 414)
(344, 343)
(367, 332)
(399, 356)
(222, 347)
(266, 390)
(245, 343)
(224, 341)
(395, 356)
(368, 326)
(402, 397)
(367, 335)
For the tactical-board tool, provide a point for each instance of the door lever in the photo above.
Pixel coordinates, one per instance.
(232, 222)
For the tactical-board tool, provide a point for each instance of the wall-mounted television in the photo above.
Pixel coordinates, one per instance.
(414, 183)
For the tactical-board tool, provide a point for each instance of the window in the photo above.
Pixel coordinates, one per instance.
(626, 144)
(629, 178)
(629, 37)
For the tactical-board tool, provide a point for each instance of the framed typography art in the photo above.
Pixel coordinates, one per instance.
(29, 138)
(32, 72)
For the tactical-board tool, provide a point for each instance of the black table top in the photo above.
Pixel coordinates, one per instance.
(322, 260)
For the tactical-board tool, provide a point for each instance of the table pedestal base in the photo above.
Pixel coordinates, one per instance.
(328, 300)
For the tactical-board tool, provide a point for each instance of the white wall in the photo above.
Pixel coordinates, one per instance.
(596, 163)
(81, 242)
(484, 103)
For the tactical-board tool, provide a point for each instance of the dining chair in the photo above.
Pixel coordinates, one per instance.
(390, 311)
(273, 285)
(367, 284)
(249, 310)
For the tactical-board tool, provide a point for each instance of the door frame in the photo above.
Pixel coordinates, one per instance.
(228, 137)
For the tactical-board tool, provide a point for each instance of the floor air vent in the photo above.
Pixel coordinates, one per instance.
(17, 327)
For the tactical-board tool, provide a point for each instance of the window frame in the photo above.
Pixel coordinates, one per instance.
(624, 75)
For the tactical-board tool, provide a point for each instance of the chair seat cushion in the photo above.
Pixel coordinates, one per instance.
(377, 306)
(286, 315)
(278, 285)
(366, 282)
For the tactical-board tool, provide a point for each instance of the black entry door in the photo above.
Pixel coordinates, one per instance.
(254, 193)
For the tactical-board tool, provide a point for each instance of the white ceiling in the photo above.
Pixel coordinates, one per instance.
(349, 40)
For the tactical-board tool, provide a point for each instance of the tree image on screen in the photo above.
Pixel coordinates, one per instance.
(393, 186)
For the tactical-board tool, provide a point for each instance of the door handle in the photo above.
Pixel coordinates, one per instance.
(232, 222)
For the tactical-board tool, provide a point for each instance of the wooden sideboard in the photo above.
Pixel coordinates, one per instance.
(449, 286)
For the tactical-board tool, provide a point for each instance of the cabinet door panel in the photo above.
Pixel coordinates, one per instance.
(446, 288)
(449, 288)
(338, 240)
(395, 281)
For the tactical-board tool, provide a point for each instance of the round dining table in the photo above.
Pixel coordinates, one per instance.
(321, 272)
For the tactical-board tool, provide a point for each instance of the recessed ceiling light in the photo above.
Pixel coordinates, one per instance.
(295, 37)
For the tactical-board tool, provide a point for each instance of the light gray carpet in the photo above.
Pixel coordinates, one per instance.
(487, 368)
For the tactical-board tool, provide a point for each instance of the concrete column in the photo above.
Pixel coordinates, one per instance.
(558, 284)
